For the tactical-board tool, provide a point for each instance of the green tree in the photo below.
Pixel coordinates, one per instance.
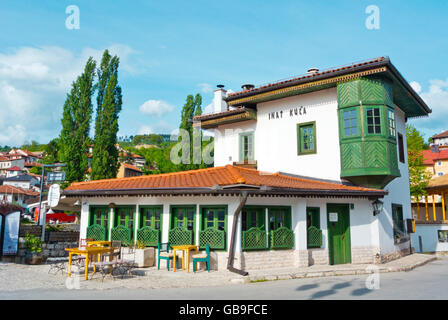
(52, 151)
(418, 176)
(76, 119)
(109, 100)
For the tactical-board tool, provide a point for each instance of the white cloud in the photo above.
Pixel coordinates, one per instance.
(208, 109)
(145, 130)
(416, 86)
(205, 87)
(155, 107)
(33, 86)
(437, 99)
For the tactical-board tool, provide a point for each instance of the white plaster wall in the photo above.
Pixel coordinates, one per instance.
(399, 193)
(276, 139)
(430, 242)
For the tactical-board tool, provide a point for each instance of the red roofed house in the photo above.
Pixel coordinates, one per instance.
(301, 169)
(12, 194)
(128, 170)
(14, 171)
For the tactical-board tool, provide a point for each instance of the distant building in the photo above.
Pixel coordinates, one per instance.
(14, 171)
(7, 162)
(23, 181)
(440, 139)
(128, 170)
(12, 194)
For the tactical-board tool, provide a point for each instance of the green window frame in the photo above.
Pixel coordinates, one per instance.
(313, 217)
(151, 216)
(279, 216)
(398, 222)
(214, 216)
(246, 146)
(391, 122)
(183, 216)
(125, 216)
(306, 138)
(373, 118)
(253, 216)
(350, 122)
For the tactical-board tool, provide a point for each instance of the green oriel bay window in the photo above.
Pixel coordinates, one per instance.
(182, 224)
(98, 228)
(150, 225)
(123, 230)
(213, 226)
(398, 222)
(314, 233)
(246, 145)
(367, 131)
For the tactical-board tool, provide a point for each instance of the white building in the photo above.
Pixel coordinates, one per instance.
(298, 165)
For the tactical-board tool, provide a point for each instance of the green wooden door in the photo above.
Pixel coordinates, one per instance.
(100, 215)
(124, 216)
(338, 219)
(253, 217)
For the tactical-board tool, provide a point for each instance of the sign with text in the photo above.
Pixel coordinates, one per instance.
(291, 112)
(56, 176)
(53, 195)
(333, 217)
(11, 233)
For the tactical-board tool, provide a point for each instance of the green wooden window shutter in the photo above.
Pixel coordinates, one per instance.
(247, 146)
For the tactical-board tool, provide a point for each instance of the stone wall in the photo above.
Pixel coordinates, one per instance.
(318, 256)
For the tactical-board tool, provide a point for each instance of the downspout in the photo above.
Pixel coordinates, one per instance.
(232, 239)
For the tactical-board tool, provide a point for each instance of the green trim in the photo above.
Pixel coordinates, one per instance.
(116, 219)
(142, 218)
(104, 218)
(241, 145)
(300, 145)
(185, 222)
(398, 221)
(346, 250)
(203, 226)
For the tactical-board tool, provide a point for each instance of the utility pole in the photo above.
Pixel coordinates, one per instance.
(42, 216)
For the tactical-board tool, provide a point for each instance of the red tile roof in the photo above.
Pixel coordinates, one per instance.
(130, 166)
(430, 157)
(33, 164)
(217, 176)
(443, 134)
(5, 189)
(15, 168)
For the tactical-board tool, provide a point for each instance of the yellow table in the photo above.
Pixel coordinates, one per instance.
(87, 252)
(184, 248)
(99, 243)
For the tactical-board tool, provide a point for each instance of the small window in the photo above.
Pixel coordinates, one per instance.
(306, 136)
(246, 146)
(398, 222)
(373, 121)
(440, 174)
(350, 122)
(439, 163)
(392, 129)
(400, 148)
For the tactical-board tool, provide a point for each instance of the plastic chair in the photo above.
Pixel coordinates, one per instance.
(202, 257)
(165, 254)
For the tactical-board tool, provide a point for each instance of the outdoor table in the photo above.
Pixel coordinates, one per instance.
(85, 251)
(185, 248)
(99, 243)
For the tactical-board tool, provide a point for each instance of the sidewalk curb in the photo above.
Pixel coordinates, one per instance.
(329, 273)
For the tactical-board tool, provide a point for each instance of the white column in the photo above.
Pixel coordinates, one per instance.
(300, 233)
(111, 222)
(84, 223)
(136, 221)
(198, 223)
(165, 222)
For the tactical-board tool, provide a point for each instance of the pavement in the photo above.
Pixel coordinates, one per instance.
(19, 277)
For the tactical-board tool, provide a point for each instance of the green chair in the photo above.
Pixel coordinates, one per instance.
(165, 254)
(202, 257)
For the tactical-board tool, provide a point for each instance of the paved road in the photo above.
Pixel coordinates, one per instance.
(427, 282)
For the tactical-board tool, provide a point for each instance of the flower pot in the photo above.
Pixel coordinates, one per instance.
(33, 257)
(144, 257)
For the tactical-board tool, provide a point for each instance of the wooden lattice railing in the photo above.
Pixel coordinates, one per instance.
(96, 232)
(148, 236)
(216, 239)
(254, 239)
(121, 233)
(314, 237)
(179, 236)
(282, 238)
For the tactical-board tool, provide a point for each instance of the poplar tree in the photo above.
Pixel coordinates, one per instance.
(109, 100)
(75, 121)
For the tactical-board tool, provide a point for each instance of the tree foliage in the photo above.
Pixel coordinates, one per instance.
(76, 118)
(418, 176)
(109, 100)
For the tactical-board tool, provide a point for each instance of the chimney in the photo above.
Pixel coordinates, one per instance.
(312, 70)
(219, 105)
(247, 86)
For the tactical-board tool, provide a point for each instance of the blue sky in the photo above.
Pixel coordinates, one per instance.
(170, 49)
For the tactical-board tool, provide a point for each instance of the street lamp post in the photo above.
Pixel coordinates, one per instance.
(42, 217)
